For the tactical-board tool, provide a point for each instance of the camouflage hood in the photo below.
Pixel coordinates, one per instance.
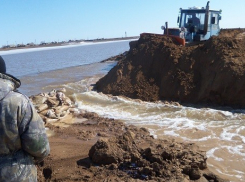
(8, 83)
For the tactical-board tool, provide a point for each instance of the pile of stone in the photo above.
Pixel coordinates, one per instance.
(52, 106)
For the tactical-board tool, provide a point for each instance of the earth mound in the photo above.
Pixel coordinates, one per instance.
(140, 156)
(156, 68)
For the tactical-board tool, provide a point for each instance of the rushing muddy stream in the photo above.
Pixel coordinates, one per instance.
(221, 133)
(218, 131)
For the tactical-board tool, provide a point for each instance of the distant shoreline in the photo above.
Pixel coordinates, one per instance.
(69, 43)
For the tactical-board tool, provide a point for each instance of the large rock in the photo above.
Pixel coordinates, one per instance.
(157, 69)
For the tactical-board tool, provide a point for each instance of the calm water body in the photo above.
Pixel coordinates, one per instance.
(221, 133)
(38, 60)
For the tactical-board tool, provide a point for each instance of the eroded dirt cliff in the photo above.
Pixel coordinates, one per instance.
(155, 68)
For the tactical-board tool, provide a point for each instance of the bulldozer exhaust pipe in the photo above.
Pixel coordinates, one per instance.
(206, 19)
(166, 25)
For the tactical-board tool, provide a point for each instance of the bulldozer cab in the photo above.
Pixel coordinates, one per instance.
(197, 24)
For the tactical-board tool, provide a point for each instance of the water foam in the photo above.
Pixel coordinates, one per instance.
(210, 153)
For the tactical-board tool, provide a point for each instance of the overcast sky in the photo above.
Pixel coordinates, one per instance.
(25, 21)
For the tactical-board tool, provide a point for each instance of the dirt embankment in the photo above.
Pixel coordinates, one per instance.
(211, 72)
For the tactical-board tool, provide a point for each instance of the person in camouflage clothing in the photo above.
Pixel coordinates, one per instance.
(23, 139)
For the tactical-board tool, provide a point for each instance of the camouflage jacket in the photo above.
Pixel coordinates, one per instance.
(23, 137)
